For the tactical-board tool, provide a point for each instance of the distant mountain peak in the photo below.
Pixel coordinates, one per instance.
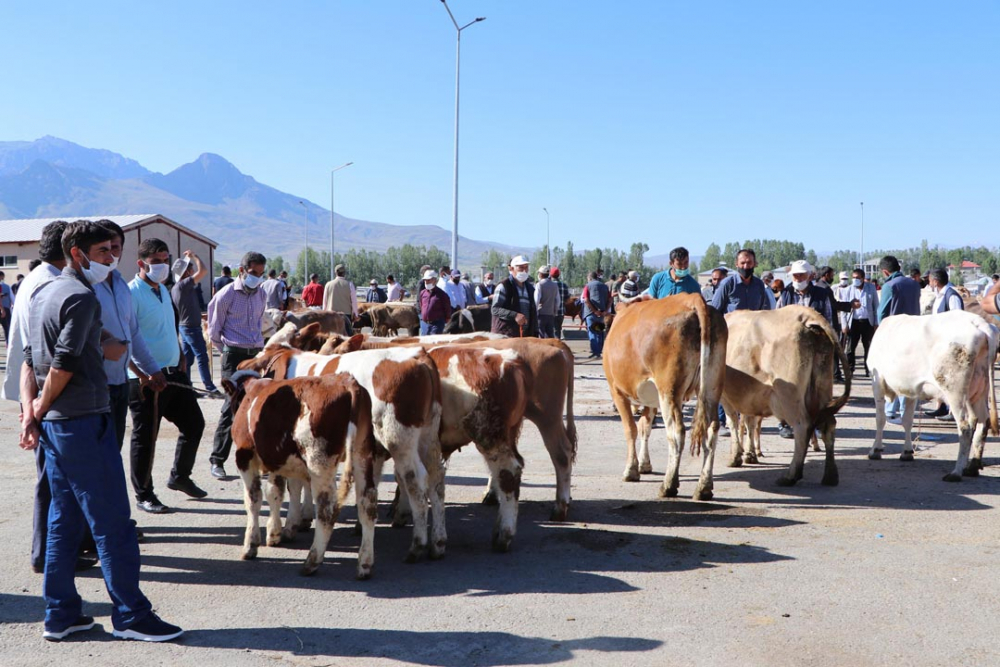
(16, 156)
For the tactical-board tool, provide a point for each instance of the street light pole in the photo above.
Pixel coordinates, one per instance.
(861, 260)
(305, 252)
(332, 172)
(458, 66)
(548, 241)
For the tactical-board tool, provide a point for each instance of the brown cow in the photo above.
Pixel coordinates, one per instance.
(573, 308)
(659, 354)
(302, 429)
(385, 319)
(551, 365)
(405, 389)
(780, 362)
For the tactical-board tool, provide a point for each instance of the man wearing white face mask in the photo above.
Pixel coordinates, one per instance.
(514, 312)
(862, 321)
(803, 293)
(154, 311)
(234, 325)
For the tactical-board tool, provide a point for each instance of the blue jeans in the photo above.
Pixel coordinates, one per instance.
(193, 344)
(895, 406)
(435, 327)
(596, 337)
(88, 489)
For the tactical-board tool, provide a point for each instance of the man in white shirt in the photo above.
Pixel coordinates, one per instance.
(863, 320)
(455, 291)
(394, 290)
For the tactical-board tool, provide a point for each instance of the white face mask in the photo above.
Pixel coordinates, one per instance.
(114, 262)
(800, 285)
(488, 281)
(252, 282)
(843, 282)
(96, 273)
(857, 282)
(157, 272)
(521, 276)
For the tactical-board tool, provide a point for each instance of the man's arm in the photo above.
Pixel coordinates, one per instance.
(200, 271)
(217, 310)
(720, 299)
(989, 300)
(354, 301)
(29, 390)
(883, 304)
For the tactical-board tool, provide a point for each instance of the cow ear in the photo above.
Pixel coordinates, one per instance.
(354, 343)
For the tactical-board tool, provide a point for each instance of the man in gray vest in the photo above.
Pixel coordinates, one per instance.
(514, 312)
(595, 307)
(546, 300)
(341, 296)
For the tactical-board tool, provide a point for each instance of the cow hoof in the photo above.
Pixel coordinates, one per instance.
(415, 554)
(501, 541)
(400, 520)
(631, 475)
(952, 477)
(275, 540)
(490, 499)
(364, 572)
(287, 535)
(736, 462)
(308, 569)
(304, 525)
(437, 551)
(875, 456)
(559, 513)
(750, 459)
(971, 470)
(668, 492)
(646, 468)
(249, 554)
(831, 479)
(906, 456)
(705, 494)
(786, 481)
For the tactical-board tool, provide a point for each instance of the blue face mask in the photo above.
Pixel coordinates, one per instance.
(252, 282)
(682, 273)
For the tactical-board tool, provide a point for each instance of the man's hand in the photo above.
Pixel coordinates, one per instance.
(157, 381)
(113, 349)
(188, 254)
(521, 319)
(38, 410)
(3, 312)
(30, 433)
(855, 304)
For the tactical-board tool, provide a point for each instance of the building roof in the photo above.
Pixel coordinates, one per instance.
(966, 264)
(28, 230)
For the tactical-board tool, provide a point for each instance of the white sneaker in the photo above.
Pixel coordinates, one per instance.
(898, 421)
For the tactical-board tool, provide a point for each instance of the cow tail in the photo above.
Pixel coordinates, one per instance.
(570, 422)
(703, 415)
(833, 407)
(994, 426)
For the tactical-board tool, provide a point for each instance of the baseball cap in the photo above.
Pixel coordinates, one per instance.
(430, 274)
(519, 260)
(373, 282)
(544, 270)
(554, 272)
(455, 273)
(800, 266)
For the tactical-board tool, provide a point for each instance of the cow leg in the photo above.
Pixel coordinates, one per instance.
(645, 429)
(505, 467)
(673, 422)
(735, 437)
(704, 489)
(830, 475)
(879, 394)
(324, 494)
(755, 440)
(366, 478)
(252, 497)
(400, 511)
(412, 475)
(434, 464)
(308, 510)
(801, 430)
(293, 520)
(909, 406)
(966, 426)
(624, 407)
(560, 449)
(275, 496)
(746, 424)
(975, 463)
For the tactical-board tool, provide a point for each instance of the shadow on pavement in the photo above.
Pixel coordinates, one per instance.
(439, 649)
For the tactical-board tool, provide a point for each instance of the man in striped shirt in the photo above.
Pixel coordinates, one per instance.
(234, 325)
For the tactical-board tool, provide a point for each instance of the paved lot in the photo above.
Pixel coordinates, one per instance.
(893, 567)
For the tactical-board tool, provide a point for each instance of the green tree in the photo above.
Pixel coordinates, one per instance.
(712, 256)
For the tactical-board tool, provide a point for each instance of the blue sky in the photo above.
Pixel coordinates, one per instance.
(674, 123)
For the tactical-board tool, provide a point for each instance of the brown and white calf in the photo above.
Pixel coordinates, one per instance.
(550, 363)
(302, 429)
(405, 392)
(484, 397)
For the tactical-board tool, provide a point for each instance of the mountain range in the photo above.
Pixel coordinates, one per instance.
(52, 177)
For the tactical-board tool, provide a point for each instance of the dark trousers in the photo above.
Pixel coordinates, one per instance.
(861, 330)
(547, 326)
(435, 327)
(558, 325)
(119, 410)
(5, 325)
(596, 337)
(88, 490)
(178, 406)
(231, 358)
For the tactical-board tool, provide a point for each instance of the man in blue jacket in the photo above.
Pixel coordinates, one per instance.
(742, 290)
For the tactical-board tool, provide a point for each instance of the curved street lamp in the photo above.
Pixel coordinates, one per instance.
(332, 172)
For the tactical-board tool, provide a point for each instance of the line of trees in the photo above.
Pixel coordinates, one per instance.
(574, 266)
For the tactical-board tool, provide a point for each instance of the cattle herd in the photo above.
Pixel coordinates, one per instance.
(315, 399)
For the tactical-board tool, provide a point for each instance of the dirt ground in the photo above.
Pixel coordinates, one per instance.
(892, 567)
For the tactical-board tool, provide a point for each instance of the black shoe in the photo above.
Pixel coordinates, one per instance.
(940, 412)
(785, 431)
(185, 485)
(83, 562)
(81, 624)
(218, 472)
(152, 505)
(150, 629)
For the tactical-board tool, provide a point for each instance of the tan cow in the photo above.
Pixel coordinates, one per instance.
(780, 362)
(659, 354)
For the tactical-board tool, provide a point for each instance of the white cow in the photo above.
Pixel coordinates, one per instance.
(946, 357)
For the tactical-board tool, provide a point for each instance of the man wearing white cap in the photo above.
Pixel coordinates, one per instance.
(802, 292)
(375, 293)
(435, 306)
(514, 312)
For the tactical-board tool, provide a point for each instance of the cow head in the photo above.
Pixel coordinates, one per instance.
(364, 320)
(460, 322)
(265, 363)
(309, 338)
(344, 345)
(237, 385)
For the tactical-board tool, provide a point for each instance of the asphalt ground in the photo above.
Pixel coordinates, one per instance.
(891, 567)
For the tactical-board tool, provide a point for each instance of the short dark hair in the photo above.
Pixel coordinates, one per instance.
(390, 277)
(34, 264)
(996, 276)
(109, 224)
(889, 263)
(859, 272)
(313, 276)
(724, 271)
(272, 273)
(824, 270)
(226, 271)
(939, 275)
(283, 273)
(340, 271)
(679, 254)
(50, 247)
(747, 251)
(915, 272)
(83, 234)
(150, 247)
(252, 258)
